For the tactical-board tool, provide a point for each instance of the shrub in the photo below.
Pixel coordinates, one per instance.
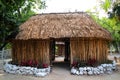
(44, 65)
(74, 64)
(79, 64)
(82, 64)
(107, 62)
(92, 62)
(31, 63)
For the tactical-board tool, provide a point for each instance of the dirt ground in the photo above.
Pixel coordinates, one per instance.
(59, 72)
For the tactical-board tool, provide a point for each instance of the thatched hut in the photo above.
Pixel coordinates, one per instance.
(83, 38)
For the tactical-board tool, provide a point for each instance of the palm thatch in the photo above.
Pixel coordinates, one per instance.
(61, 25)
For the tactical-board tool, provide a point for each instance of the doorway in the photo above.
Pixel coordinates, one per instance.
(60, 53)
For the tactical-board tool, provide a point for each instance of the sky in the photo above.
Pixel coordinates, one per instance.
(69, 5)
(55, 6)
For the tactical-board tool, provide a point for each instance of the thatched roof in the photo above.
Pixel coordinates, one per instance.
(61, 25)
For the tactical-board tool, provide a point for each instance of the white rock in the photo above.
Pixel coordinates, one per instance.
(94, 72)
(81, 72)
(48, 69)
(18, 71)
(114, 67)
(98, 72)
(7, 70)
(104, 65)
(100, 67)
(21, 70)
(107, 65)
(35, 70)
(73, 71)
(7, 66)
(32, 68)
(14, 68)
(110, 65)
(40, 70)
(95, 69)
(84, 68)
(81, 69)
(27, 71)
(43, 70)
(77, 72)
(104, 69)
(109, 72)
(28, 68)
(41, 74)
(109, 69)
(92, 68)
(101, 72)
(114, 62)
(88, 68)
(90, 73)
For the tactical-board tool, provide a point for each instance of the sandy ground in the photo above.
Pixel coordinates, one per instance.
(60, 71)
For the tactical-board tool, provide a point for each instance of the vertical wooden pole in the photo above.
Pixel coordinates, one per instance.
(71, 50)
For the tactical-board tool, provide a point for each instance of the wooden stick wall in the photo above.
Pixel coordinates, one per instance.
(84, 49)
(81, 49)
(23, 50)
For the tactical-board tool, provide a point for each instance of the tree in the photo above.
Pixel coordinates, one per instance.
(112, 7)
(13, 13)
(113, 28)
(111, 23)
(116, 10)
(106, 5)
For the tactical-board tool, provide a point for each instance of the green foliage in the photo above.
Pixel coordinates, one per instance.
(114, 6)
(112, 23)
(106, 4)
(13, 13)
(112, 26)
(116, 12)
(8, 46)
(20, 10)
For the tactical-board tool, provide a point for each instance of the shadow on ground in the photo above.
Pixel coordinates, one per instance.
(62, 65)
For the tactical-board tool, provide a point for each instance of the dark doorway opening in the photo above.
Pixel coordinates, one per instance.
(60, 53)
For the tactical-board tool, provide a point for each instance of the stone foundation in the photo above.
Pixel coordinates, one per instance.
(9, 68)
(102, 69)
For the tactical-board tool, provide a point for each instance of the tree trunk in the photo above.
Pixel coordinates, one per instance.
(118, 47)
